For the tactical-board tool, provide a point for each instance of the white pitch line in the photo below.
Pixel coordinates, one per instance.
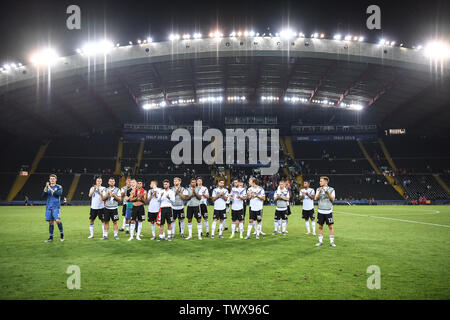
(395, 219)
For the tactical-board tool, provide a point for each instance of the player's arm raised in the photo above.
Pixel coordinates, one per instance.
(91, 192)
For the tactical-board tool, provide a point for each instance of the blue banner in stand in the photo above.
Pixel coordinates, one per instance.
(147, 136)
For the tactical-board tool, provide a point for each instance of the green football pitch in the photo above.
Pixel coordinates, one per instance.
(410, 245)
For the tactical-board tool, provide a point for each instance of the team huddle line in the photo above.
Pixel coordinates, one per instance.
(166, 205)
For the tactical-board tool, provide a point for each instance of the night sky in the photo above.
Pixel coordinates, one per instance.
(29, 25)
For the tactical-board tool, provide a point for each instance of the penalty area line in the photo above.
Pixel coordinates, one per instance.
(395, 219)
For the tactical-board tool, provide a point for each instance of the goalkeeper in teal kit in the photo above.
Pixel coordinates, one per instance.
(53, 192)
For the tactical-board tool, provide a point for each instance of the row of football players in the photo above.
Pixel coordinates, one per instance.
(166, 205)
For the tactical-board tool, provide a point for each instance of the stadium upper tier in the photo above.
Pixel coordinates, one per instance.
(392, 86)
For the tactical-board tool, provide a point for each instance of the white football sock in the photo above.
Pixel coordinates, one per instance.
(331, 239)
(313, 226)
(103, 229)
(213, 227)
(139, 228)
(207, 226)
(249, 229)
(173, 228)
(233, 228)
(116, 233)
(199, 228)
(123, 223)
(153, 229)
(91, 229)
(182, 227)
(241, 228)
(284, 225)
(320, 237)
(276, 225)
(190, 229)
(307, 226)
(221, 228)
(132, 227)
(127, 226)
(258, 229)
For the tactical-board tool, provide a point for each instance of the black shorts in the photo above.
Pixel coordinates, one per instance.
(152, 216)
(138, 213)
(178, 214)
(220, 214)
(166, 215)
(124, 210)
(308, 214)
(280, 215)
(204, 211)
(289, 210)
(325, 218)
(237, 215)
(255, 215)
(111, 214)
(96, 213)
(193, 212)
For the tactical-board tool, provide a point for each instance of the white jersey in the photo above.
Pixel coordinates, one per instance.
(154, 204)
(97, 198)
(256, 204)
(203, 192)
(164, 201)
(220, 203)
(238, 204)
(323, 198)
(281, 204)
(110, 202)
(308, 203)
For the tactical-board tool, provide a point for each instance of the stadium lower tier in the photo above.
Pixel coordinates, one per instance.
(348, 187)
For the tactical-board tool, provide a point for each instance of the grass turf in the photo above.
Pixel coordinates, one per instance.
(413, 258)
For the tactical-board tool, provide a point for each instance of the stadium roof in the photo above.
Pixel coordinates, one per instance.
(105, 86)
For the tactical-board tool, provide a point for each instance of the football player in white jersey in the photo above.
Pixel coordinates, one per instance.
(112, 196)
(166, 199)
(307, 194)
(325, 196)
(238, 195)
(219, 197)
(204, 194)
(153, 205)
(256, 196)
(181, 194)
(281, 197)
(97, 205)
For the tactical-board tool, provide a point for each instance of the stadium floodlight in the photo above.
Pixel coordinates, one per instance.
(233, 34)
(322, 35)
(139, 41)
(316, 35)
(286, 34)
(392, 43)
(251, 33)
(419, 47)
(101, 47)
(301, 34)
(382, 42)
(245, 33)
(257, 34)
(348, 37)
(239, 33)
(360, 39)
(6, 67)
(43, 57)
(337, 37)
(78, 50)
(149, 39)
(437, 50)
(174, 37)
(117, 44)
(186, 36)
(197, 35)
(130, 42)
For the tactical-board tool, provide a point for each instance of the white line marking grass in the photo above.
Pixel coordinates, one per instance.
(394, 219)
